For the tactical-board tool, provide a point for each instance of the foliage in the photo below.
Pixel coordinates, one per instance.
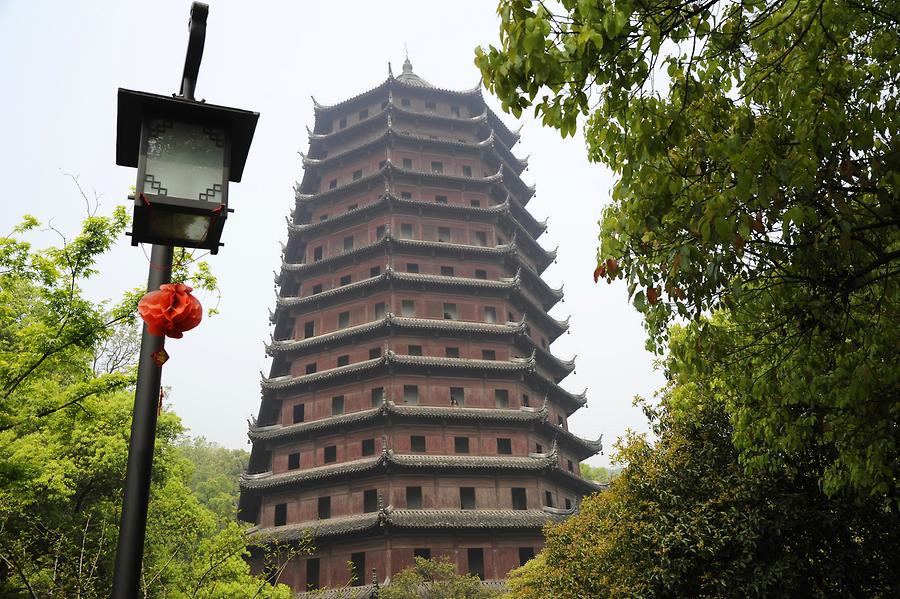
(757, 175)
(684, 520)
(64, 428)
(434, 579)
(599, 473)
(215, 475)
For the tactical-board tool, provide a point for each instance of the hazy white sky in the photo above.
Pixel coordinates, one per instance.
(60, 66)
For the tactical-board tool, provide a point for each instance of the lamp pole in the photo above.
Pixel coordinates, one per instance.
(130, 552)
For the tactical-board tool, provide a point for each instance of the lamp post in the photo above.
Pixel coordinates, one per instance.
(186, 152)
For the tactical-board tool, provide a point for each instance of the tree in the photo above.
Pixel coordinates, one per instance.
(434, 579)
(683, 519)
(215, 476)
(757, 180)
(64, 426)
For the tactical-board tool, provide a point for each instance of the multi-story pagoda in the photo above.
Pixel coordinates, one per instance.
(413, 406)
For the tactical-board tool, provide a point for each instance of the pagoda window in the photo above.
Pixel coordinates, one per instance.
(310, 368)
(280, 514)
(359, 568)
(417, 443)
(444, 234)
(519, 498)
(447, 271)
(352, 207)
(430, 106)
(348, 243)
(476, 562)
(368, 447)
(332, 184)
(363, 114)
(309, 329)
(475, 203)
(324, 508)
(488, 354)
(318, 253)
(560, 422)
(298, 414)
(452, 352)
(406, 231)
(538, 448)
(525, 400)
(370, 500)
(467, 498)
(510, 317)
(568, 503)
(343, 122)
(380, 310)
(317, 288)
(412, 267)
(324, 217)
(480, 274)
(405, 195)
(450, 312)
(570, 465)
(481, 238)
(374, 353)
(337, 402)
(454, 110)
(548, 498)
(404, 102)
(346, 279)
(374, 271)
(413, 498)
(490, 314)
(423, 552)
(525, 554)
(312, 574)
(329, 454)
(500, 240)
(461, 444)
(377, 396)
(501, 398)
(467, 170)
(457, 396)
(407, 163)
(414, 350)
(407, 308)
(343, 320)
(380, 230)
(437, 167)
(504, 446)
(440, 199)
(294, 460)
(357, 174)
(411, 394)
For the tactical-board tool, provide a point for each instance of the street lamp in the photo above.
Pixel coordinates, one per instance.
(185, 152)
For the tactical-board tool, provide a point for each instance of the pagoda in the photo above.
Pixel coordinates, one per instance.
(413, 406)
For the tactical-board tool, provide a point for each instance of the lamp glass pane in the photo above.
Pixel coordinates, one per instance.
(185, 160)
(178, 226)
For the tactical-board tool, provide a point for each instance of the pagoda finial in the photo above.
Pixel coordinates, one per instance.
(390, 71)
(407, 65)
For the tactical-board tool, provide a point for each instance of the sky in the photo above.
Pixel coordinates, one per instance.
(62, 63)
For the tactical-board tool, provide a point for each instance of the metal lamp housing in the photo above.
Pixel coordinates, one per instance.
(186, 152)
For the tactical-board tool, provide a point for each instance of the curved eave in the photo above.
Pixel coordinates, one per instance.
(401, 520)
(317, 139)
(508, 136)
(399, 322)
(388, 460)
(323, 109)
(391, 410)
(308, 198)
(390, 361)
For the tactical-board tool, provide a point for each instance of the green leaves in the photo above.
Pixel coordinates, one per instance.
(756, 142)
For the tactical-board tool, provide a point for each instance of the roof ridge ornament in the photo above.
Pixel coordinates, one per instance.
(390, 71)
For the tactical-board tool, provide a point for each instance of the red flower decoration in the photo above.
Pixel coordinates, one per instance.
(171, 310)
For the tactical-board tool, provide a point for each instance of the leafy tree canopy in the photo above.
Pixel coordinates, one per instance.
(683, 519)
(757, 179)
(65, 417)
